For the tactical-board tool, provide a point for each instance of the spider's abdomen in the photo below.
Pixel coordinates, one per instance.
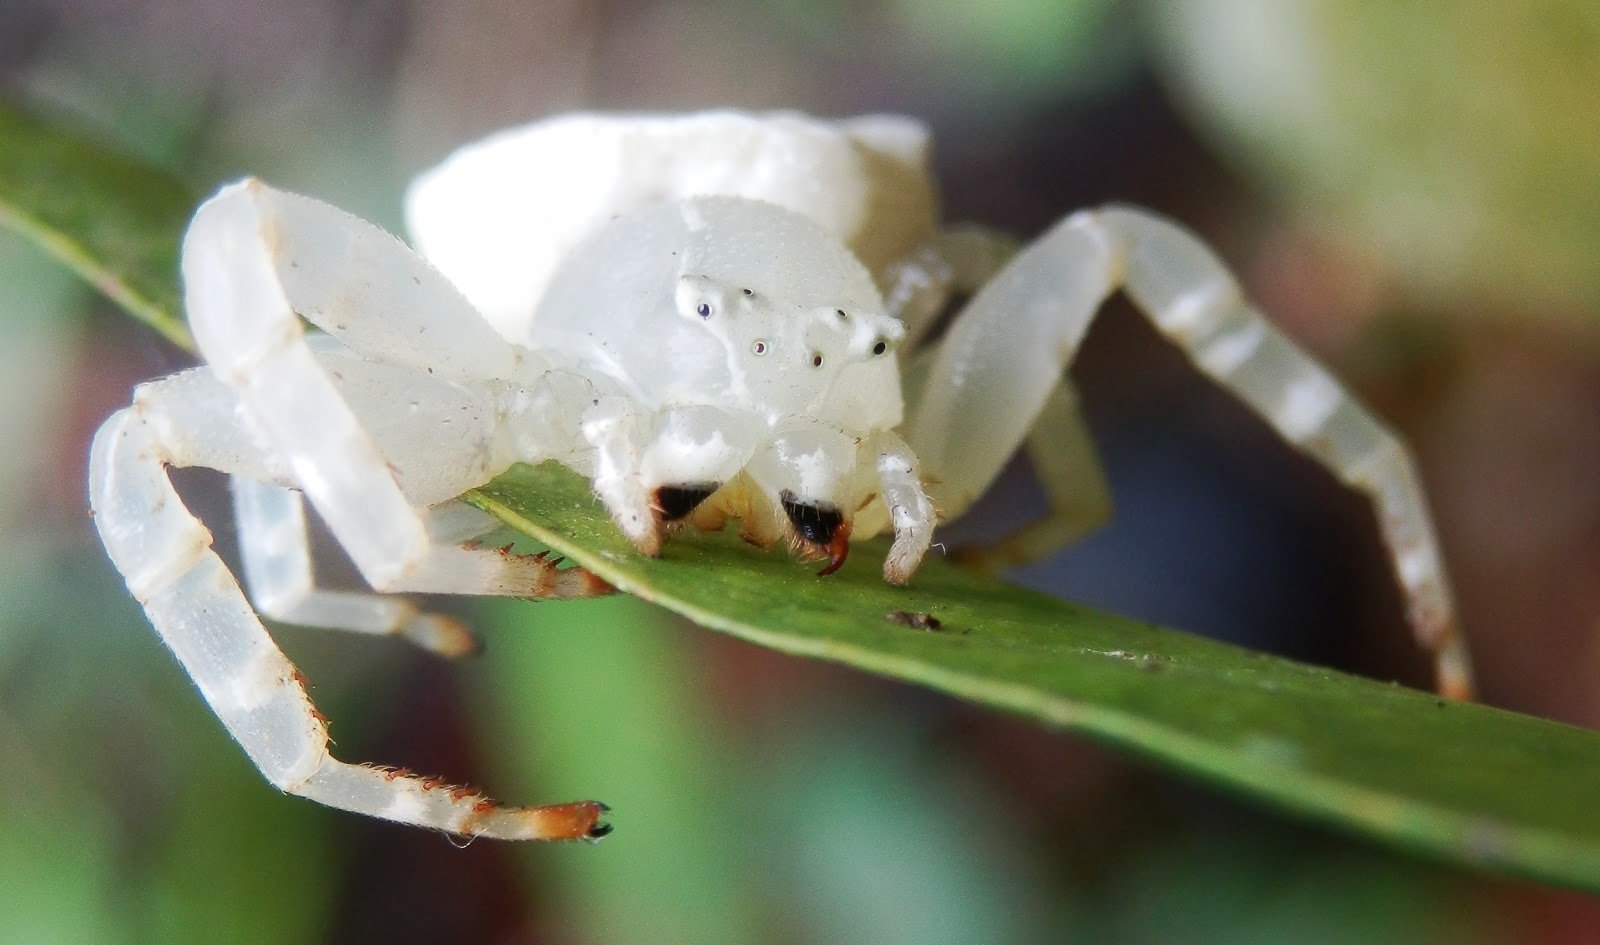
(727, 302)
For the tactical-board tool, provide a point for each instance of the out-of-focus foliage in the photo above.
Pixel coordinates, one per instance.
(107, 217)
(1457, 142)
(825, 805)
(91, 727)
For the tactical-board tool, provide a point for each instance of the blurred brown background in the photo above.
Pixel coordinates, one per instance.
(1414, 193)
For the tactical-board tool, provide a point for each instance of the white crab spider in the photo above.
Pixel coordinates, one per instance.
(699, 314)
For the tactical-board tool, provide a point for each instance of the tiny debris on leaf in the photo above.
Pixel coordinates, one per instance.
(914, 619)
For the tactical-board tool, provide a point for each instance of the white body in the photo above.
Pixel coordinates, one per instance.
(700, 314)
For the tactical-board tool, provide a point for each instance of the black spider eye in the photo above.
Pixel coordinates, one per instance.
(880, 347)
(840, 313)
(748, 293)
(703, 310)
(816, 360)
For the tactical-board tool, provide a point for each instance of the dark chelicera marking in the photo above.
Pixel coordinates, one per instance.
(821, 525)
(675, 502)
(914, 619)
(813, 521)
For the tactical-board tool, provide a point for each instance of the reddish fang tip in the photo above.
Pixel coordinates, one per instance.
(838, 550)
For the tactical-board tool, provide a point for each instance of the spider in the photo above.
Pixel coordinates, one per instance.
(701, 315)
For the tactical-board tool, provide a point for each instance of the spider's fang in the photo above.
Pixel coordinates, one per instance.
(821, 525)
(838, 550)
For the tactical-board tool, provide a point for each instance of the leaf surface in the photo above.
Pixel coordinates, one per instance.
(113, 220)
(1466, 782)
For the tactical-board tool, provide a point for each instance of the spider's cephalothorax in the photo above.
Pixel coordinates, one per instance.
(754, 369)
(698, 313)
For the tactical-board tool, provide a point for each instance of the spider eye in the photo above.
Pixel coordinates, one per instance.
(816, 360)
(759, 347)
(840, 313)
(703, 310)
(748, 292)
(880, 347)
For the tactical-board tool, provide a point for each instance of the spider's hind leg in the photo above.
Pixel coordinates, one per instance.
(995, 370)
(1066, 462)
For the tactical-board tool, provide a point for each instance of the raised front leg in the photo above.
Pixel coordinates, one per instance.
(1006, 351)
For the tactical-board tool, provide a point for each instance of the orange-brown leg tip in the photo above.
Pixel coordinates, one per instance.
(1453, 670)
(580, 820)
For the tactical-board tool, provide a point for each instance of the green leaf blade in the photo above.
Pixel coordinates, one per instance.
(1468, 783)
(114, 221)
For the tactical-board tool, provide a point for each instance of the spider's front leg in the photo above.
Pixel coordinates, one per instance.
(197, 607)
(274, 409)
(1007, 350)
(275, 554)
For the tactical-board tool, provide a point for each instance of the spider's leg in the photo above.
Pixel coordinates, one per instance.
(956, 262)
(1007, 349)
(241, 265)
(358, 283)
(1062, 452)
(197, 607)
(275, 555)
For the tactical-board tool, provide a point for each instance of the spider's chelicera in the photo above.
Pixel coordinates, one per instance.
(701, 315)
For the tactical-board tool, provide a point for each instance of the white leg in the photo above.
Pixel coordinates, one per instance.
(275, 554)
(958, 261)
(1010, 345)
(200, 612)
(241, 258)
(1066, 461)
(358, 283)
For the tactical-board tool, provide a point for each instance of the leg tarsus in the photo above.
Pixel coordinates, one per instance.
(911, 511)
(405, 797)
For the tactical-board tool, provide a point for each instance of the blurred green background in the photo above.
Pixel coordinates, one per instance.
(1415, 195)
